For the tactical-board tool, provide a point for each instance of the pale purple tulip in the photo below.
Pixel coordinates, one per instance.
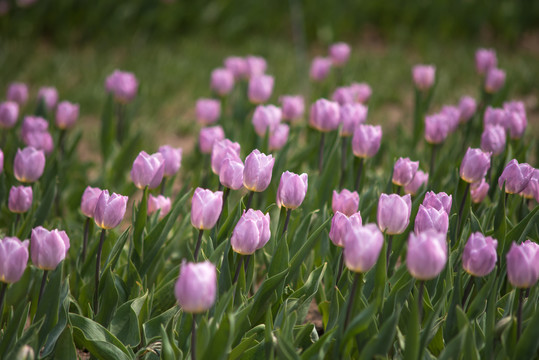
(266, 118)
(436, 128)
(515, 176)
(251, 233)
(495, 80)
(66, 114)
(532, 190)
(13, 259)
(205, 208)
(516, 106)
(9, 113)
(344, 95)
(467, 108)
(479, 255)
(362, 247)
(159, 203)
(339, 53)
(49, 96)
(237, 65)
(48, 248)
(173, 159)
(293, 107)
(123, 85)
(1, 161)
(29, 164)
(485, 59)
(439, 201)
(351, 115)
(35, 133)
(493, 139)
(292, 190)
(110, 210)
(496, 116)
(361, 91)
(429, 218)
(423, 76)
(148, 170)
(17, 92)
(427, 254)
(346, 202)
(517, 124)
(475, 165)
(208, 111)
(222, 81)
(523, 264)
(279, 137)
(20, 199)
(257, 171)
(208, 136)
(452, 115)
(419, 180)
(404, 171)
(341, 224)
(221, 150)
(320, 67)
(231, 174)
(260, 88)
(393, 213)
(325, 115)
(196, 287)
(366, 140)
(256, 65)
(479, 190)
(89, 201)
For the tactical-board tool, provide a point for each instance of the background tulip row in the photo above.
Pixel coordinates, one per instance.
(284, 237)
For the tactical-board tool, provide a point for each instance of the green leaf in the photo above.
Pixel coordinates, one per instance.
(265, 295)
(319, 349)
(14, 326)
(107, 128)
(279, 260)
(523, 228)
(125, 324)
(48, 308)
(359, 323)
(65, 347)
(453, 349)
(527, 344)
(152, 328)
(382, 342)
(45, 205)
(222, 340)
(411, 349)
(140, 223)
(500, 225)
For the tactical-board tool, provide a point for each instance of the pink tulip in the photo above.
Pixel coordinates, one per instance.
(13, 259)
(208, 111)
(279, 137)
(231, 173)
(148, 170)
(205, 208)
(346, 202)
(515, 176)
(251, 233)
(494, 81)
(393, 213)
(320, 68)
(28, 165)
(479, 256)
(361, 91)
(208, 136)
(292, 190)
(220, 151)
(256, 65)
(325, 115)
(523, 264)
(66, 114)
(48, 248)
(159, 203)
(351, 115)
(339, 53)
(196, 287)
(439, 201)
(419, 180)
(257, 171)
(404, 171)
(20, 199)
(429, 218)
(123, 86)
(173, 159)
(493, 139)
(49, 96)
(479, 190)
(362, 247)
(260, 88)
(222, 81)
(9, 113)
(110, 210)
(17, 92)
(366, 140)
(89, 201)
(485, 59)
(293, 107)
(467, 108)
(437, 128)
(423, 76)
(475, 165)
(427, 254)
(237, 65)
(341, 225)
(266, 118)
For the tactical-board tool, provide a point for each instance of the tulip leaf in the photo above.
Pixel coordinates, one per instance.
(222, 340)
(14, 326)
(29, 337)
(359, 323)
(523, 228)
(453, 349)
(412, 342)
(380, 343)
(527, 344)
(319, 349)
(45, 205)
(108, 298)
(140, 224)
(279, 260)
(116, 251)
(266, 295)
(125, 323)
(500, 225)
(65, 347)
(48, 308)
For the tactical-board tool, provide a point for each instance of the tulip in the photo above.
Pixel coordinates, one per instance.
(1, 161)
(17, 92)
(479, 256)
(208, 111)
(266, 118)
(496, 116)
(344, 95)
(34, 124)
(532, 190)
(485, 59)
(320, 67)
(351, 115)
(419, 180)
(206, 208)
(196, 287)
(148, 170)
(366, 140)
(452, 115)
(436, 128)
(49, 96)
(346, 202)
(257, 171)
(341, 225)
(231, 174)
(517, 124)
(237, 65)
(404, 171)
(362, 247)
(35, 133)
(13, 260)
(429, 218)
(221, 150)
(256, 65)
(423, 76)
(479, 190)
(251, 233)
(9, 112)
(475, 165)
(110, 210)
(66, 114)
(173, 159)
(523, 264)
(440, 201)
(494, 81)
(516, 107)
(427, 254)
(208, 136)
(159, 203)
(339, 53)
(89, 201)
(260, 88)
(20, 199)
(122, 85)
(493, 139)
(293, 107)
(325, 115)
(29, 164)
(362, 92)
(393, 213)
(222, 81)
(48, 248)
(515, 176)
(279, 137)
(467, 108)
(292, 190)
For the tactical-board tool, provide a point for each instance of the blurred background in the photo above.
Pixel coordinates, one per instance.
(173, 45)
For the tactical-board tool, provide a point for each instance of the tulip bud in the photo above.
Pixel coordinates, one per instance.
(339, 53)
(423, 76)
(20, 199)
(404, 171)
(516, 177)
(196, 287)
(394, 213)
(427, 254)
(440, 201)
(341, 224)
(9, 112)
(436, 128)
(17, 92)
(532, 190)
(26, 352)
(173, 159)
(419, 180)
(48, 248)
(13, 259)
(429, 218)
(479, 190)
(366, 140)
(516, 107)
(293, 107)
(260, 88)
(517, 124)
(49, 96)
(362, 247)
(256, 65)
(208, 136)
(159, 202)
(292, 190)
(266, 118)
(222, 81)
(89, 201)
(251, 233)
(452, 115)
(351, 115)
(208, 111)
(346, 202)
(29, 164)
(66, 114)
(148, 170)
(496, 116)
(257, 171)
(279, 137)
(320, 68)
(523, 264)
(35, 133)
(479, 256)
(237, 65)
(344, 95)
(362, 92)
(493, 139)
(231, 174)
(494, 81)
(220, 151)
(325, 115)
(110, 210)
(205, 208)
(123, 86)
(475, 165)
(485, 59)
(467, 108)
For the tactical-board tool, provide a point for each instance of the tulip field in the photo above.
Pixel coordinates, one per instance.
(291, 225)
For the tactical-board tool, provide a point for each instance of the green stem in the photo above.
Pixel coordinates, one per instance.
(340, 269)
(238, 268)
(519, 312)
(464, 197)
(199, 242)
(288, 213)
(467, 292)
(358, 178)
(17, 219)
(432, 160)
(344, 145)
(98, 269)
(357, 279)
(249, 200)
(194, 338)
(42, 288)
(388, 253)
(163, 185)
(420, 300)
(3, 289)
(85, 239)
(321, 152)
